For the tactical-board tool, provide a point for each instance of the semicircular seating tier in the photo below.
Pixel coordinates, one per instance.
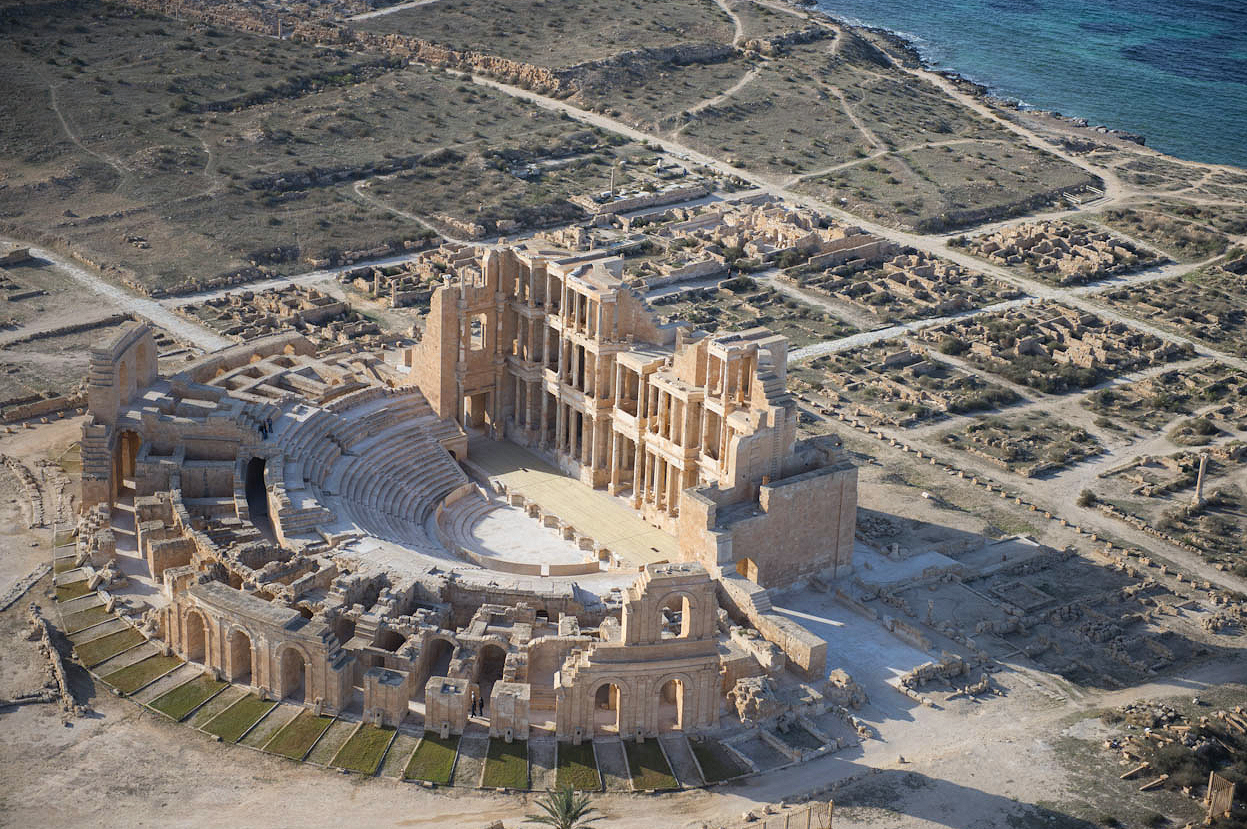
(375, 468)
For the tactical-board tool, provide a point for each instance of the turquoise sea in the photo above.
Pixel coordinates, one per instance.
(1174, 71)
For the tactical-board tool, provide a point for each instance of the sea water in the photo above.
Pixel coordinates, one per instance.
(1174, 71)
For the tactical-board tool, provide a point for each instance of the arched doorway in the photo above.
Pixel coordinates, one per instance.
(293, 675)
(671, 705)
(607, 701)
(490, 662)
(676, 617)
(257, 499)
(239, 667)
(125, 460)
(195, 637)
(437, 658)
(257, 494)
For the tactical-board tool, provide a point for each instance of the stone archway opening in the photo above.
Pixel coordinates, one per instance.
(196, 637)
(437, 660)
(257, 498)
(607, 702)
(490, 662)
(125, 461)
(239, 667)
(293, 675)
(676, 617)
(671, 705)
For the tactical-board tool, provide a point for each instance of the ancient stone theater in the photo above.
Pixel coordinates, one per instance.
(552, 508)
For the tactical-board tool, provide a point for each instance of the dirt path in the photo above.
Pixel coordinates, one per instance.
(121, 169)
(723, 96)
(391, 9)
(736, 21)
(369, 199)
(129, 302)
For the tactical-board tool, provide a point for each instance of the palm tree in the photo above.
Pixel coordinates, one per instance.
(564, 809)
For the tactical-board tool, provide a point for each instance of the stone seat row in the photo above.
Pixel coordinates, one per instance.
(357, 428)
(458, 519)
(400, 477)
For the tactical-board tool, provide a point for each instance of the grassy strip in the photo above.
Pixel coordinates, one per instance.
(106, 647)
(649, 766)
(83, 619)
(506, 765)
(434, 760)
(64, 563)
(178, 703)
(362, 753)
(299, 735)
(234, 721)
(717, 763)
(578, 768)
(133, 677)
(73, 590)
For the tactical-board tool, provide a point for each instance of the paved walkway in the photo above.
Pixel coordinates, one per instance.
(608, 521)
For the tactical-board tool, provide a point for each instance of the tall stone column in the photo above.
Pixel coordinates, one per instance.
(545, 417)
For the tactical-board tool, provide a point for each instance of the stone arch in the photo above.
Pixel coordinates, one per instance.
(125, 458)
(240, 656)
(491, 660)
(672, 702)
(608, 699)
(676, 614)
(435, 658)
(295, 674)
(195, 636)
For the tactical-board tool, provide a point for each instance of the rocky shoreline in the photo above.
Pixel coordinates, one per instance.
(909, 54)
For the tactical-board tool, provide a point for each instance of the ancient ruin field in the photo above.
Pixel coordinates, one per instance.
(1207, 305)
(742, 303)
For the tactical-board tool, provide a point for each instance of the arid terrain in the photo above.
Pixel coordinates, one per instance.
(1029, 336)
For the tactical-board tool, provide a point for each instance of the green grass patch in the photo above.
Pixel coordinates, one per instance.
(299, 735)
(133, 677)
(506, 765)
(578, 768)
(106, 647)
(650, 769)
(75, 622)
(434, 760)
(65, 537)
(188, 696)
(73, 590)
(234, 721)
(362, 753)
(717, 762)
(63, 564)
